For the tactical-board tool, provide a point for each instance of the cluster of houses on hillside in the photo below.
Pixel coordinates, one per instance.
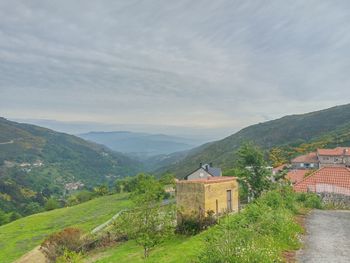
(323, 171)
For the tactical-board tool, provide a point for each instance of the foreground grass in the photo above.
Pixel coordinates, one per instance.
(263, 232)
(177, 249)
(21, 236)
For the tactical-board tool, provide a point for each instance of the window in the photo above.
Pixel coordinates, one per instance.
(229, 200)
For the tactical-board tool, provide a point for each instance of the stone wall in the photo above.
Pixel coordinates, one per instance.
(216, 194)
(337, 201)
(201, 197)
(190, 198)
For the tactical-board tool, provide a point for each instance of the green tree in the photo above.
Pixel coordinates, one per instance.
(51, 204)
(253, 169)
(32, 208)
(101, 190)
(149, 222)
(4, 218)
(167, 179)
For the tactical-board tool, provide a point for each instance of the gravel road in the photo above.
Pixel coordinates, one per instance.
(327, 237)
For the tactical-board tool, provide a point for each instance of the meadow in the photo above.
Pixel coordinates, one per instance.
(22, 235)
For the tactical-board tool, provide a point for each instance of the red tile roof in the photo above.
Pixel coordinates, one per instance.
(327, 179)
(307, 158)
(334, 152)
(210, 180)
(296, 176)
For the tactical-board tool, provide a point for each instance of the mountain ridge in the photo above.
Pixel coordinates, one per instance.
(291, 129)
(40, 160)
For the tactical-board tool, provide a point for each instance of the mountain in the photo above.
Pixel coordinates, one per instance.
(328, 127)
(36, 162)
(141, 145)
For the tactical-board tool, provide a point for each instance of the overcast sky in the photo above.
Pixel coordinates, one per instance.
(192, 64)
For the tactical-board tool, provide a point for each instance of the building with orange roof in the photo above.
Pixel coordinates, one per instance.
(307, 161)
(335, 180)
(296, 176)
(338, 157)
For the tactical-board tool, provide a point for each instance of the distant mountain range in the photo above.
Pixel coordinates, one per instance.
(36, 161)
(141, 145)
(327, 128)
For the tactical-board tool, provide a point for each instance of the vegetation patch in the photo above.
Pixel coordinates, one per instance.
(21, 236)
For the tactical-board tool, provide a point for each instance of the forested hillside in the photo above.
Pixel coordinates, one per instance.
(291, 135)
(36, 163)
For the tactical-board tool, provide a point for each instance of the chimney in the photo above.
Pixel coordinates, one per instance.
(200, 165)
(210, 164)
(207, 167)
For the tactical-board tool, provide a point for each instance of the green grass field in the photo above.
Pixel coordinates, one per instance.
(175, 250)
(21, 236)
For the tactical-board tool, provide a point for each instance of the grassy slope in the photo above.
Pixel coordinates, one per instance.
(178, 249)
(22, 235)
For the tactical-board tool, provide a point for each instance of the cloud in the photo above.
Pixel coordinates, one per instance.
(214, 64)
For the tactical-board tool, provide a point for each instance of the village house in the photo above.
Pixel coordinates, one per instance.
(204, 171)
(205, 191)
(216, 195)
(338, 157)
(307, 161)
(297, 175)
(334, 180)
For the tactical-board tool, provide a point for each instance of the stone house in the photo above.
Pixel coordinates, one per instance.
(338, 157)
(307, 161)
(211, 195)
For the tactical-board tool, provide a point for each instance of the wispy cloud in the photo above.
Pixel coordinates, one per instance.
(214, 64)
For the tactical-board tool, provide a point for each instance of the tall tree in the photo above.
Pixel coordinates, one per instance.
(253, 169)
(149, 222)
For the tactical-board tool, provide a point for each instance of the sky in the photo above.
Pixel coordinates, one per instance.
(195, 67)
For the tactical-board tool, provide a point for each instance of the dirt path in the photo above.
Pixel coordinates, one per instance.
(327, 238)
(9, 142)
(33, 256)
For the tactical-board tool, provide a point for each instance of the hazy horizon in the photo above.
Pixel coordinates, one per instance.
(196, 68)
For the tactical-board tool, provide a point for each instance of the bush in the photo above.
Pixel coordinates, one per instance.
(80, 197)
(260, 233)
(70, 257)
(70, 239)
(193, 224)
(313, 201)
(51, 204)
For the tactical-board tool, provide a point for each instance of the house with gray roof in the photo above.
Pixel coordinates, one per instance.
(204, 171)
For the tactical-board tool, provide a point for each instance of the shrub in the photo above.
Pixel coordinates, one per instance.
(259, 233)
(51, 204)
(313, 201)
(70, 257)
(194, 223)
(70, 239)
